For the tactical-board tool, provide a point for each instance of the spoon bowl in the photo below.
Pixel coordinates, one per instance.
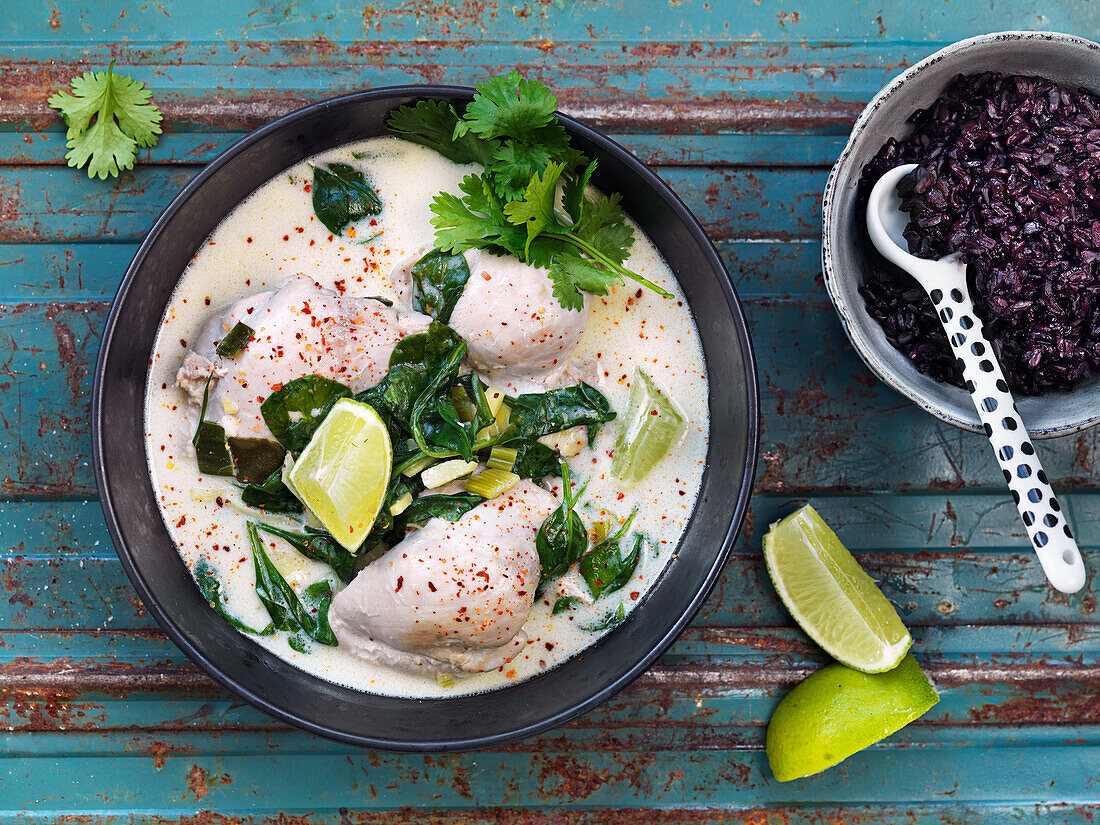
(945, 282)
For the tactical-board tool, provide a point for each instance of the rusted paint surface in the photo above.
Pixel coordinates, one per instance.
(745, 113)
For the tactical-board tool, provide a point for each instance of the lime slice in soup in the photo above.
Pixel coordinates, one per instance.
(343, 473)
(651, 427)
(830, 596)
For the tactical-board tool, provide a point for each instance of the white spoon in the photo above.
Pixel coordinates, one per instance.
(945, 282)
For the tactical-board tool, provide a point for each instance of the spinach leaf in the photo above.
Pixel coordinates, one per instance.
(272, 496)
(283, 605)
(256, 458)
(319, 546)
(341, 195)
(534, 459)
(450, 507)
(439, 279)
(211, 448)
(607, 622)
(562, 539)
(235, 340)
(562, 604)
(211, 588)
(605, 568)
(437, 428)
(433, 420)
(294, 411)
(415, 359)
(536, 414)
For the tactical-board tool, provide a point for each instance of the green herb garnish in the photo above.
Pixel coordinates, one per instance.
(604, 568)
(308, 614)
(538, 414)
(296, 410)
(319, 546)
(211, 588)
(562, 538)
(341, 195)
(109, 117)
(562, 604)
(511, 207)
(235, 340)
(272, 495)
(439, 280)
(607, 622)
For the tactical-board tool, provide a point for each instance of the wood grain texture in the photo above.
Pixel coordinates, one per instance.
(742, 107)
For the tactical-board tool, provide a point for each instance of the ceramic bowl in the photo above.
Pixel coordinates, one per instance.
(1066, 60)
(272, 684)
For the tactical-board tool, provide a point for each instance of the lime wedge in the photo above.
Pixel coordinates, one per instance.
(343, 473)
(649, 430)
(838, 711)
(830, 596)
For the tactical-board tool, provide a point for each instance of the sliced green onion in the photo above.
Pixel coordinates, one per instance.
(417, 466)
(445, 680)
(235, 340)
(502, 458)
(491, 483)
(401, 505)
(446, 471)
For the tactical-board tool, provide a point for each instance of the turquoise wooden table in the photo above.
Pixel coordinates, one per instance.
(742, 107)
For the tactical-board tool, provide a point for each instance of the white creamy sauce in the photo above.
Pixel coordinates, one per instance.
(274, 235)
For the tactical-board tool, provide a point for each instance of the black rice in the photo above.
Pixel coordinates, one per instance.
(1009, 176)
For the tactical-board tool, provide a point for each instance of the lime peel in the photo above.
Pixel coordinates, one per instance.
(838, 711)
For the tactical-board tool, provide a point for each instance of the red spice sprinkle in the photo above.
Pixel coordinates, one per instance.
(431, 587)
(286, 237)
(400, 582)
(249, 239)
(277, 387)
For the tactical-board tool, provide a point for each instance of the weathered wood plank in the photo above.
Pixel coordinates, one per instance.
(89, 23)
(932, 813)
(51, 204)
(235, 783)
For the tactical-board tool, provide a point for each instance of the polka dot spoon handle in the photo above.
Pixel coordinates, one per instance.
(945, 282)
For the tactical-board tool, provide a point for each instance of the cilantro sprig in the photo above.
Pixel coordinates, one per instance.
(109, 117)
(530, 199)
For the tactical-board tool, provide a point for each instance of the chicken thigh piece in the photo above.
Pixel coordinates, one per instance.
(299, 329)
(516, 330)
(453, 596)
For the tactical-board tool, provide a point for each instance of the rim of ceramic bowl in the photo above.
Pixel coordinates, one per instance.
(856, 327)
(740, 332)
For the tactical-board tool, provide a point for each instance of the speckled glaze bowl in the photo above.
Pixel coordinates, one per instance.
(1066, 60)
(272, 684)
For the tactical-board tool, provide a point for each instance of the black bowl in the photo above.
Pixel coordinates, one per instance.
(273, 685)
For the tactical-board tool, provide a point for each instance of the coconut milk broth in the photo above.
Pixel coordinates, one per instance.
(274, 235)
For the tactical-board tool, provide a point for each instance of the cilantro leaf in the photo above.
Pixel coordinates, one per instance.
(432, 123)
(109, 116)
(603, 226)
(514, 207)
(536, 210)
(508, 106)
